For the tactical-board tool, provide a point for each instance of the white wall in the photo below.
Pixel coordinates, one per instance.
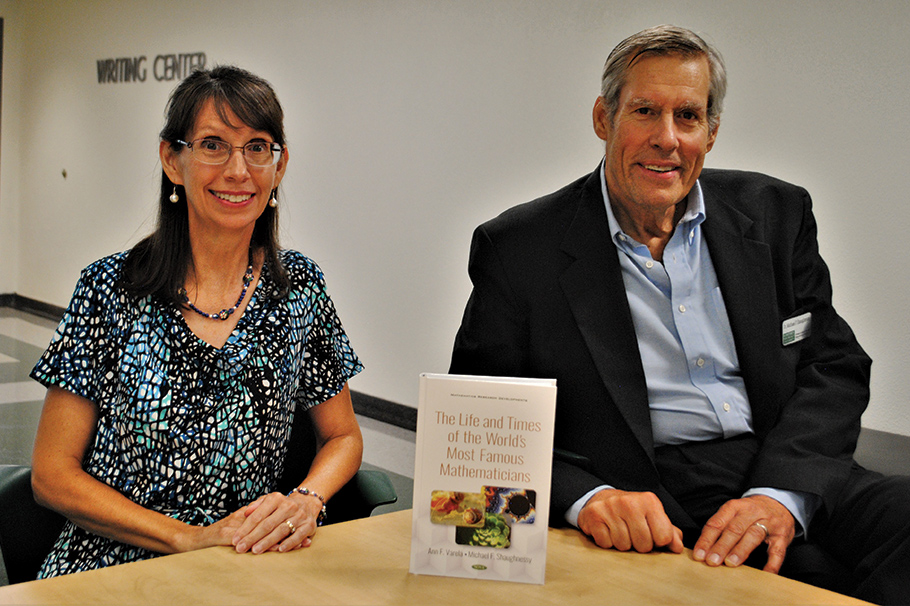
(9, 146)
(412, 122)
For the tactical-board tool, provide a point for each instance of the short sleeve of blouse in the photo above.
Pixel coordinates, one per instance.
(73, 360)
(329, 359)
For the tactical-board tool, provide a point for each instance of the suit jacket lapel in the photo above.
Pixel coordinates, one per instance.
(745, 274)
(594, 288)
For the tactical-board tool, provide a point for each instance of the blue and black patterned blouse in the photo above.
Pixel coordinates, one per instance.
(184, 428)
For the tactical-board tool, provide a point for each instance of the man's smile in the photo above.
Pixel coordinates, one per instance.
(659, 169)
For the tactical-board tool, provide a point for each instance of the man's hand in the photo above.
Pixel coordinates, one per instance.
(625, 520)
(739, 527)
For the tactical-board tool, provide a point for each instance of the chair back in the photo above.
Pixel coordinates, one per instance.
(27, 530)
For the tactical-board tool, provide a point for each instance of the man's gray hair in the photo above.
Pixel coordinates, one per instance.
(663, 40)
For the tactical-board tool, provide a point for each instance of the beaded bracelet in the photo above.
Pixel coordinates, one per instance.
(305, 491)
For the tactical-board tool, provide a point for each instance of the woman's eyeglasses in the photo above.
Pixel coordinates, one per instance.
(216, 151)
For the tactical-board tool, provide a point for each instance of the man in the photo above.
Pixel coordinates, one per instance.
(708, 393)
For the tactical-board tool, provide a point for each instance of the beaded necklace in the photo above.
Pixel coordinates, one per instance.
(224, 313)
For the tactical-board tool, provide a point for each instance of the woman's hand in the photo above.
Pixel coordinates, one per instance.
(276, 522)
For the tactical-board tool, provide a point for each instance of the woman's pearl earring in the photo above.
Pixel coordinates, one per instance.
(273, 201)
(174, 197)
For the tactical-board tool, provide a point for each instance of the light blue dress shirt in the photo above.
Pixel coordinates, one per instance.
(695, 388)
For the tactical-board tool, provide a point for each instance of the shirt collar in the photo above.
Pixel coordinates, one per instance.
(694, 215)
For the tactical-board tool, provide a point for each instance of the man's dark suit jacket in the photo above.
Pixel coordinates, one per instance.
(549, 301)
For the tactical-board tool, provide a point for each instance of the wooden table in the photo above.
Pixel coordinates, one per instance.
(366, 562)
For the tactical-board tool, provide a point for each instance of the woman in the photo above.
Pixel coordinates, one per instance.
(175, 373)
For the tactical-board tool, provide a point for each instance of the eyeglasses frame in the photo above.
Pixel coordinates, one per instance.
(272, 145)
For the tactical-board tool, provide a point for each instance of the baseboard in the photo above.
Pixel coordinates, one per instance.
(44, 310)
(385, 411)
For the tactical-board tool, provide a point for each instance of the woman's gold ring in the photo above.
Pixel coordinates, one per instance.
(294, 528)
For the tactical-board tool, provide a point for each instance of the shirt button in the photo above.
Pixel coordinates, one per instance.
(682, 309)
(726, 407)
(649, 264)
(700, 362)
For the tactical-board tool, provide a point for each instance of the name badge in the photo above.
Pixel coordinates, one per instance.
(796, 329)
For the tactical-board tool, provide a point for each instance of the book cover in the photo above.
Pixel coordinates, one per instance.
(482, 477)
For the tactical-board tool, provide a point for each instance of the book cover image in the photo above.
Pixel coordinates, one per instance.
(482, 477)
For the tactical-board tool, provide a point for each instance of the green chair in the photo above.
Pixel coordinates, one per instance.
(27, 530)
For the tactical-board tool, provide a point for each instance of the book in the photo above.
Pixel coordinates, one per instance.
(482, 477)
